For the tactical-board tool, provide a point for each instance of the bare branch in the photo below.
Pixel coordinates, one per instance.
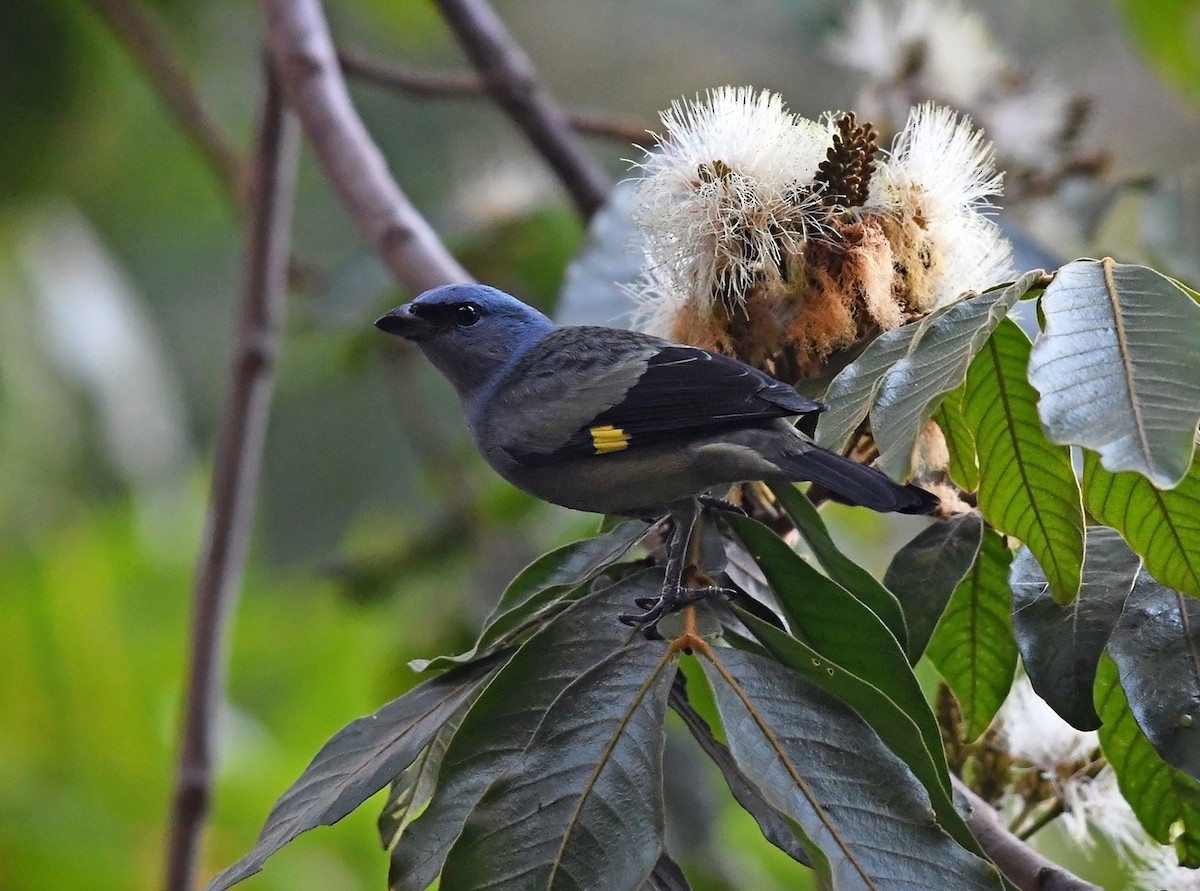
(511, 79)
(303, 51)
(1021, 864)
(150, 45)
(235, 476)
(423, 83)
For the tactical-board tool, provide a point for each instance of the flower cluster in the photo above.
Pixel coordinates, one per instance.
(780, 240)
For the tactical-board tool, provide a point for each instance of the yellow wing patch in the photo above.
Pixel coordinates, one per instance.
(607, 438)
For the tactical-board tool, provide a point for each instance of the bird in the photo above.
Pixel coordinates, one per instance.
(612, 421)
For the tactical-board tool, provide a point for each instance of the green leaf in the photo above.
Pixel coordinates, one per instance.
(841, 568)
(1163, 527)
(774, 826)
(1061, 645)
(357, 762)
(1117, 369)
(837, 626)
(1027, 487)
(1165, 800)
(865, 817)
(925, 572)
(1169, 34)
(502, 721)
(936, 364)
(582, 808)
(852, 392)
(413, 789)
(1156, 647)
(898, 730)
(666, 876)
(973, 646)
(960, 441)
(540, 589)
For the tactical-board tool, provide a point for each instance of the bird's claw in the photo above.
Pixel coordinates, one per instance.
(712, 502)
(670, 600)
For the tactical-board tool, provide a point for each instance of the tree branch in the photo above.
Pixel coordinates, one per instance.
(511, 79)
(1021, 864)
(303, 51)
(150, 46)
(235, 477)
(425, 84)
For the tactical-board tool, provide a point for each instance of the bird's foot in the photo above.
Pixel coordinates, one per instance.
(712, 502)
(672, 598)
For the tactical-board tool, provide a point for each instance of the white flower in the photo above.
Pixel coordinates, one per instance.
(942, 172)
(957, 61)
(722, 196)
(1033, 732)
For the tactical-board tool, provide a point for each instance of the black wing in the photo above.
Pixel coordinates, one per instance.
(685, 392)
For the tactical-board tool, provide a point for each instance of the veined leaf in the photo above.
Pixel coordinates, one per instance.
(925, 572)
(1156, 647)
(853, 391)
(497, 728)
(1162, 526)
(357, 762)
(1164, 799)
(935, 365)
(1062, 645)
(864, 815)
(413, 789)
(841, 568)
(973, 646)
(1116, 367)
(582, 808)
(1027, 487)
(834, 623)
(960, 441)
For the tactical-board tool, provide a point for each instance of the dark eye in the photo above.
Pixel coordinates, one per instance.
(466, 315)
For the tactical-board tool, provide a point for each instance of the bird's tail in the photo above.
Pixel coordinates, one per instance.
(857, 483)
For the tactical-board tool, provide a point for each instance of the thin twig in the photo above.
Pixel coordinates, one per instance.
(424, 83)
(1021, 864)
(299, 39)
(512, 81)
(150, 45)
(235, 476)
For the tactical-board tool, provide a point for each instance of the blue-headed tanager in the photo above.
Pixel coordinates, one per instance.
(618, 422)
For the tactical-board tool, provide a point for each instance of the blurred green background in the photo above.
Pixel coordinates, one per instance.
(380, 535)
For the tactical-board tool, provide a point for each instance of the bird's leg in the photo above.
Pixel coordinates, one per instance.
(674, 594)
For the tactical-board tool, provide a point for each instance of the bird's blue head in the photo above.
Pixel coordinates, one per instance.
(469, 332)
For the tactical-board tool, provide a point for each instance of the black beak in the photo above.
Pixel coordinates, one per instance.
(402, 322)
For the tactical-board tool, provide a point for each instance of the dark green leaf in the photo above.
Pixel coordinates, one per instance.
(774, 826)
(852, 392)
(1061, 645)
(1116, 367)
(960, 441)
(413, 789)
(837, 626)
(935, 365)
(357, 762)
(866, 818)
(1027, 487)
(1165, 800)
(496, 729)
(540, 588)
(895, 728)
(1164, 527)
(925, 572)
(973, 646)
(666, 876)
(1156, 646)
(582, 808)
(841, 568)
